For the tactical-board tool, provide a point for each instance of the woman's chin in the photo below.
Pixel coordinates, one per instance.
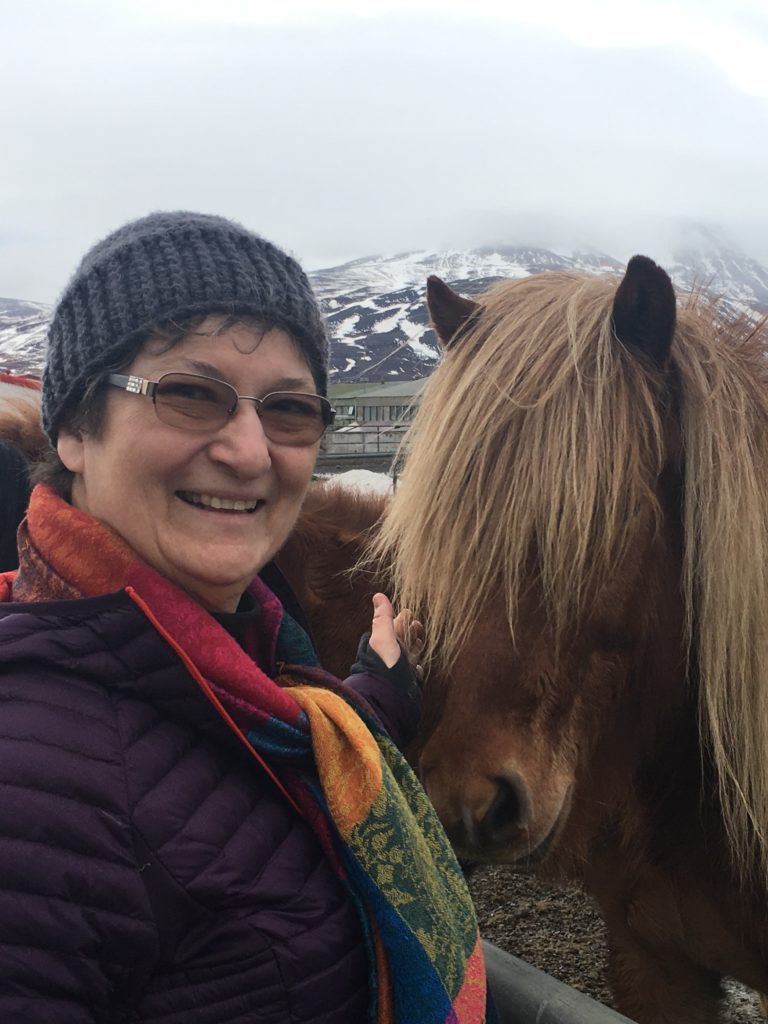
(218, 586)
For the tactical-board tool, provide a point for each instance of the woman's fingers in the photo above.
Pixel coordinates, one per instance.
(383, 638)
(410, 633)
(390, 633)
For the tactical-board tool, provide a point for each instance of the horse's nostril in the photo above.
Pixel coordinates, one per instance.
(508, 812)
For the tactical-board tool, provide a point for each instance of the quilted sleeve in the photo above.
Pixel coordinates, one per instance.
(76, 932)
(392, 694)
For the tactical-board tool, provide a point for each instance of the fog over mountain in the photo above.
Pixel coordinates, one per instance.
(343, 128)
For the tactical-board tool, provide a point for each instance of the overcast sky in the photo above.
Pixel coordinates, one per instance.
(413, 124)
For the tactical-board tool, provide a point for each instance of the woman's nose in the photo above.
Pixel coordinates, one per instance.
(242, 444)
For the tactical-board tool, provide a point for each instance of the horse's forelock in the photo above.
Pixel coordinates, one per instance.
(538, 431)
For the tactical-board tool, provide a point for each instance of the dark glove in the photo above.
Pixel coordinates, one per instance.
(402, 674)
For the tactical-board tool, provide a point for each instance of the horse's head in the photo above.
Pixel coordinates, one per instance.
(537, 529)
(518, 732)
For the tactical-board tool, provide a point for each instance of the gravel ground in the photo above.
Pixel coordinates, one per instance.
(560, 931)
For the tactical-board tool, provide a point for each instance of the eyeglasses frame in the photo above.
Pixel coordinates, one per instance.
(142, 386)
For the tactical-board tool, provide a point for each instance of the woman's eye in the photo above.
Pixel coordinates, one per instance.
(189, 392)
(293, 405)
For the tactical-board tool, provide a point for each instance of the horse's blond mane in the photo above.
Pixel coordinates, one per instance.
(541, 435)
(725, 580)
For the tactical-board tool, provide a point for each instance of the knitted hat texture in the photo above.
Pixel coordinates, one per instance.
(164, 267)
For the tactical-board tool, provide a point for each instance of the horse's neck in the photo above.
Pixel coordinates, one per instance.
(326, 544)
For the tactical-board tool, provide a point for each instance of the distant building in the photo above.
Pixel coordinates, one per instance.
(372, 418)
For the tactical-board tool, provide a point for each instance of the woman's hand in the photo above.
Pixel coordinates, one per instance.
(389, 632)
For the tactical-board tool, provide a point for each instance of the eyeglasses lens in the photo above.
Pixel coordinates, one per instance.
(193, 403)
(198, 403)
(291, 418)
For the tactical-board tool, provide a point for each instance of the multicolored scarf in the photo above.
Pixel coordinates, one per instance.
(337, 767)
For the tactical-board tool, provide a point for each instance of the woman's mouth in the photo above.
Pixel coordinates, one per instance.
(212, 501)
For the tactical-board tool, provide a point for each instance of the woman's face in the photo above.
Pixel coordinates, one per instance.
(150, 482)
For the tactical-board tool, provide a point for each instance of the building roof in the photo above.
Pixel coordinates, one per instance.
(393, 389)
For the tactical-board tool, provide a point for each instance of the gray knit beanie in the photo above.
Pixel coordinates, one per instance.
(165, 267)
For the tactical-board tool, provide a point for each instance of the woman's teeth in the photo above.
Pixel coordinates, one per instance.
(211, 501)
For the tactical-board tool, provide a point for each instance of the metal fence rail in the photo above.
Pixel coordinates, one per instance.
(525, 995)
(370, 439)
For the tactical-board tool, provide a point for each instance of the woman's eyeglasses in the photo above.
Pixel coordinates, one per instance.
(192, 401)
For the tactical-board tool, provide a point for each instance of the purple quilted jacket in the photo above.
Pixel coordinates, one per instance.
(149, 870)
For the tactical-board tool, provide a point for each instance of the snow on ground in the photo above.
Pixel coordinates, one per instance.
(363, 480)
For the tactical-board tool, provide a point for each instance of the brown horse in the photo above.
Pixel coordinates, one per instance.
(583, 524)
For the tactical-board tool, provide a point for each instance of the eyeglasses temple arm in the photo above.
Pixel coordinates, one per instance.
(136, 385)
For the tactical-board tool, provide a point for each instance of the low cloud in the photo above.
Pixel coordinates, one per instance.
(358, 137)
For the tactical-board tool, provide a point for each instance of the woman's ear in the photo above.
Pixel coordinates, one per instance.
(71, 451)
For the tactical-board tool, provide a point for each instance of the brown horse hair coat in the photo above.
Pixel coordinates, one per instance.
(20, 424)
(333, 529)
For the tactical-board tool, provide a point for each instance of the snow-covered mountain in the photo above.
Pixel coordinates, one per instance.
(376, 311)
(377, 314)
(22, 335)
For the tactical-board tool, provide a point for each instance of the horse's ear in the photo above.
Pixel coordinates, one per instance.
(448, 311)
(644, 310)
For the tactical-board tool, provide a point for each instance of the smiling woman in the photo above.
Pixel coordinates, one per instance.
(204, 496)
(177, 840)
